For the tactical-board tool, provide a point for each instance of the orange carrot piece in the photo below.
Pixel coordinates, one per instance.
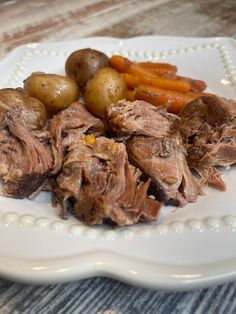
(195, 85)
(124, 65)
(133, 81)
(158, 66)
(161, 72)
(120, 63)
(157, 97)
(130, 95)
(144, 76)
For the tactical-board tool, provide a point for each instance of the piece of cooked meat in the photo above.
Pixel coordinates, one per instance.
(147, 131)
(208, 128)
(163, 160)
(97, 185)
(125, 119)
(25, 160)
(67, 126)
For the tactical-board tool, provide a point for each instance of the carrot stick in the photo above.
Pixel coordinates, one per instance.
(157, 97)
(120, 63)
(158, 66)
(124, 65)
(161, 72)
(130, 95)
(144, 76)
(133, 81)
(195, 85)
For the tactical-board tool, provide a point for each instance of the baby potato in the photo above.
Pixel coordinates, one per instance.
(106, 87)
(82, 64)
(32, 110)
(56, 91)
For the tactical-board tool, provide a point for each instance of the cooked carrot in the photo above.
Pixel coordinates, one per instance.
(133, 81)
(195, 85)
(158, 66)
(124, 65)
(144, 76)
(168, 71)
(157, 96)
(130, 95)
(120, 63)
(161, 72)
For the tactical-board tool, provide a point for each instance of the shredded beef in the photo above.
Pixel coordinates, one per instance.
(67, 126)
(125, 119)
(158, 153)
(163, 160)
(90, 175)
(207, 126)
(97, 184)
(24, 159)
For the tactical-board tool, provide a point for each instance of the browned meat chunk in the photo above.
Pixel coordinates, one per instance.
(98, 184)
(163, 160)
(24, 159)
(208, 128)
(125, 119)
(67, 126)
(159, 156)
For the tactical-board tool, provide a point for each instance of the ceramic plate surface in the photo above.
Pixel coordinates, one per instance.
(187, 248)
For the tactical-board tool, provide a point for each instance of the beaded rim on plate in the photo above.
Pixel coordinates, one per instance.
(213, 224)
(229, 69)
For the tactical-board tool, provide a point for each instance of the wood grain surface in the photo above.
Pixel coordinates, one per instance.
(23, 21)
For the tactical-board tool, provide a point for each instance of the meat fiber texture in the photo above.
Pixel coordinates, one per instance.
(126, 119)
(98, 184)
(30, 159)
(92, 175)
(163, 160)
(25, 155)
(94, 178)
(207, 126)
(152, 148)
(66, 127)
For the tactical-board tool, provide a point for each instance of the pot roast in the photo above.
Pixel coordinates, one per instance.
(98, 184)
(158, 153)
(67, 126)
(163, 160)
(25, 156)
(125, 119)
(207, 126)
(100, 179)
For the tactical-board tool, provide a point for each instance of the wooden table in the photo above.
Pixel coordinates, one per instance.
(23, 21)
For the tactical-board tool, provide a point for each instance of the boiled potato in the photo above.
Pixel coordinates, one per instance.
(56, 91)
(106, 87)
(32, 110)
(82, 64)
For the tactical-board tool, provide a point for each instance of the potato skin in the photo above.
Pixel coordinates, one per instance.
(106, 87)
(32, 110)
(57, 92)
(81, 65)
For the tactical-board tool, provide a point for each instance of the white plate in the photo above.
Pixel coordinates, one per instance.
(188, 248)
